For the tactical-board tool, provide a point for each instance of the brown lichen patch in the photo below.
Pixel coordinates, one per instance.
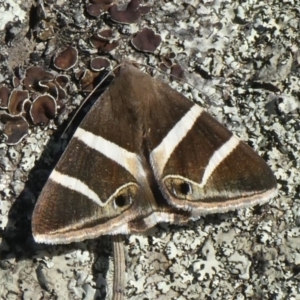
(33, 76)
(174, 69)
(177, 71)
(103, 41)
(66, 59)
(14, 128)
(106, 34)
(43, 109)
(130, 15)
(89, 80)
(97, 7)
(79, 74)
(99, 63)
(168, 60)
(163, 67)
(55, 87)
(62, 82)
(16, 81)
(62, 94)
(144, 9)
(146, 40)
(4, 96)
(94, 10)
(17, 101)
(49, 87)
(26, 109)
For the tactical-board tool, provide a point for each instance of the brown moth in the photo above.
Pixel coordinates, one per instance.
(146, 154)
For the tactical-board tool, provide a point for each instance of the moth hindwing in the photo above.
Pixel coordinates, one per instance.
(145, 154)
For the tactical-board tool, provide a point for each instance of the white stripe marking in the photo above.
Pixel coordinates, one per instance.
(75, 185)
(218, 156)
(160, 155)
(128, 160)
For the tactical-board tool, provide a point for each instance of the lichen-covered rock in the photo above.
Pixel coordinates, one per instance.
(240, 61)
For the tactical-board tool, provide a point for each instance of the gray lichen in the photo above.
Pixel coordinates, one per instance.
(244, 59)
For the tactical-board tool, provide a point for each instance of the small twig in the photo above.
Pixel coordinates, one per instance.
(119, 268)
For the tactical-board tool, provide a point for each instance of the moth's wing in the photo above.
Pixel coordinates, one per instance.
(201, 166)
(99, 184)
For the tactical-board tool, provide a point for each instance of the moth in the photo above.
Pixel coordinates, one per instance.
(145, 154)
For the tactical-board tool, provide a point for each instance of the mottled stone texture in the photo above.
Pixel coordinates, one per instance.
(242, 60)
